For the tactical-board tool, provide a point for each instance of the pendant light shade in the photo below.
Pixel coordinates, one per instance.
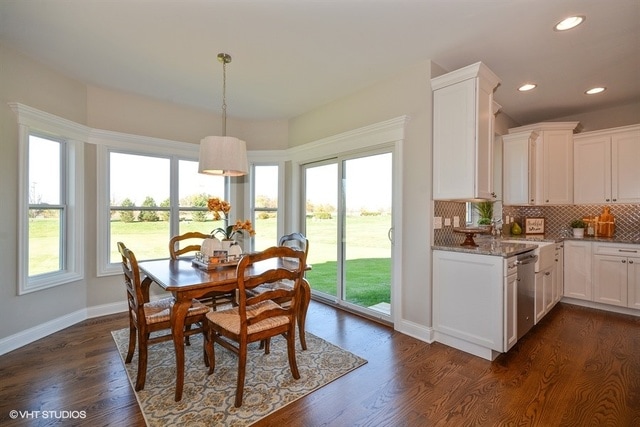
(223, 155)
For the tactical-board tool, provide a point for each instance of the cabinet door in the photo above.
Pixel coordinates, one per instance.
(557, 168)
(559, 270)
(454, 141)
(516, 169)
(577, 270)
(544, 286)
(592, 169)
(511, 315)
(610, 280)
(625, 172)
(633, 283)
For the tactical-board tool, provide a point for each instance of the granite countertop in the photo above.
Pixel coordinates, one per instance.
(505, 246)
(494, 247)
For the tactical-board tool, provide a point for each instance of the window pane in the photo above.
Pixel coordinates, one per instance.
(147, 239)
(195, 188)
(266, 228)
(44, 171)
(136, 178)
(45, 254)
(265, 204)
(139, 181)
(266, 186)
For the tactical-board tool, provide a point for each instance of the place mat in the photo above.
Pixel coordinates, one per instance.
(208, 400)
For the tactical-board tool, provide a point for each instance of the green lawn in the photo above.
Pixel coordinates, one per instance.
(367, 270)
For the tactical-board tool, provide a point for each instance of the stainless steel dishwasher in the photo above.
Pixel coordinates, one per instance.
(526, 291)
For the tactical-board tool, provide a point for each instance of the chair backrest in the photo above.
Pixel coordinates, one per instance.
(175, 251)
(296, 241)
(289, 266)
(135, 295)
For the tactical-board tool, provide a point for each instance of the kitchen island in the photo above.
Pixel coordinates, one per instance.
(475, 296)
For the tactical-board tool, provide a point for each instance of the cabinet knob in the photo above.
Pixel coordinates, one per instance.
(624, 261)
(547, 273)
(547, 201)
(615, 200)
(606, 200)
(630, 262)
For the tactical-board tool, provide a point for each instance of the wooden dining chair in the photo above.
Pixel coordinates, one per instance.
(190, 243)
(296, 241)
(147, 316)
(258, 318)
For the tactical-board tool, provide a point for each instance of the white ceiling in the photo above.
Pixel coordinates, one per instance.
(290, 56)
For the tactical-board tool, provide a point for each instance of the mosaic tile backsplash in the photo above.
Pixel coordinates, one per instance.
(557, 219)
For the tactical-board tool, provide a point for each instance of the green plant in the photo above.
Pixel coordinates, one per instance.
(485, 212)
(578, 223)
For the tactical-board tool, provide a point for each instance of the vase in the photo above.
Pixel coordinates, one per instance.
(578, 232)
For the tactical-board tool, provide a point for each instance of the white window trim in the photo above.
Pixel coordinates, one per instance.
(30, 121)
(133, 144)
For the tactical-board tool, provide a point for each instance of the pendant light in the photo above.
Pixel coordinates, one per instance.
(223, 155)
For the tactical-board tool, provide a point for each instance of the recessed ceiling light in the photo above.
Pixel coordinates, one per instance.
(595, 90)
(569, 23)
(527, 86)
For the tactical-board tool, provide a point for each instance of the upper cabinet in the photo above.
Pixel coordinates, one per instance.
(463, 117)
(538, 164)
(606, 166)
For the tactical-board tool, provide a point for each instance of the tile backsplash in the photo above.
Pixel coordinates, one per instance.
(557, 219)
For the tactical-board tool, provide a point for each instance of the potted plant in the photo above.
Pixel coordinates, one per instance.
(578, 226)
(485, 212)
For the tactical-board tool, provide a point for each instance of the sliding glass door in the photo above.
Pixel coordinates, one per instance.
(348, 223)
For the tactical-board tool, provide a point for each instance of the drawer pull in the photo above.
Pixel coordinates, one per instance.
(633, 251)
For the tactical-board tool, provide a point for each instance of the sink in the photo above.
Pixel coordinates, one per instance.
(546, 252)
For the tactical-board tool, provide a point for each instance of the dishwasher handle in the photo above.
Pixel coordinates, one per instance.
(527, 260)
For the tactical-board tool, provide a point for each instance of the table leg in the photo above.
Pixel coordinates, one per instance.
(178, 316)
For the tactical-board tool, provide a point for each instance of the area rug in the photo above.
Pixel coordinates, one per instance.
(208, 400)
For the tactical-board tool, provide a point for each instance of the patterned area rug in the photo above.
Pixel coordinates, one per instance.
(208, 400)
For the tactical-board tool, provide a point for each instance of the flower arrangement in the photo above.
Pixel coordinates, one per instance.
(221, 209)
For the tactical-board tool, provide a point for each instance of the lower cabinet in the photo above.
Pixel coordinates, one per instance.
(577, 270)
(544, 300)
(558, 284)
(606, 273)
(510, 314)
(474, 302)
(616, 274)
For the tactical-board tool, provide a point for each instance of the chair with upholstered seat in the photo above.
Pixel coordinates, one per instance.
(147, 317)
(190, 243)
(258, 317)
(296, 241)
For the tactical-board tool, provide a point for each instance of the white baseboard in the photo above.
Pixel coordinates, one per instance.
(30, 335)
(415, 330)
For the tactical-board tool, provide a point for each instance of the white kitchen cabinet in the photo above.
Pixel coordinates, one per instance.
(463, 133)
(538, 164)
(610, 280)
(616, 274)
(511, 315)
(544, 292)
(606, 166)
(470, 292)
(558, 284)
(577, 270)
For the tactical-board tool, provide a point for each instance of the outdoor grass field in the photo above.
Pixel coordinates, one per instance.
(367, 269)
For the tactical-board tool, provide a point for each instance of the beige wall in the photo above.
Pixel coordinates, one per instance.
(24, 81)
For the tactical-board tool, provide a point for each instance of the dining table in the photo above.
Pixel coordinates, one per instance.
(187, 281)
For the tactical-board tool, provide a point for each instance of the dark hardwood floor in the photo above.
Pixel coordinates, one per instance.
(578, 367)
